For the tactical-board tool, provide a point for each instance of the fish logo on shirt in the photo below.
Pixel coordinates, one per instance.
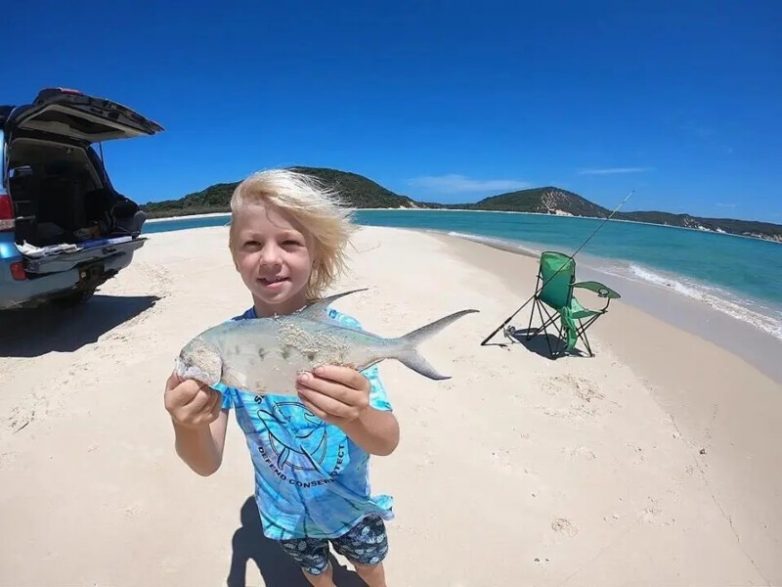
(303, 449)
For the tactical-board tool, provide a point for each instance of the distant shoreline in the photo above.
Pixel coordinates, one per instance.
(565, 215)
(186, 216)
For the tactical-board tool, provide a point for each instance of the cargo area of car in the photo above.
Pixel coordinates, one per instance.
(60, 198)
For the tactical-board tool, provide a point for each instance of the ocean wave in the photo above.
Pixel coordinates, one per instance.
(766, 319)
(690, 291)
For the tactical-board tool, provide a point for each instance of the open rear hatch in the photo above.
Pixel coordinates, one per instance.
(54, 259)
(61, 193)
(80, 117)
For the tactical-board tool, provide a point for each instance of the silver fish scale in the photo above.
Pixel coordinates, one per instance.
(319, 347)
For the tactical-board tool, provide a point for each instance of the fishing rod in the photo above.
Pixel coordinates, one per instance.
(581, 246)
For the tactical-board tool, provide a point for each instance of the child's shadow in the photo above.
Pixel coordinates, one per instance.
(276, 567)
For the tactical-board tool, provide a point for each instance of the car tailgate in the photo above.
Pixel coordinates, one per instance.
(79, 116)
(67, 260)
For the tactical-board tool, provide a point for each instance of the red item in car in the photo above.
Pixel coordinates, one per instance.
(6, 213)
(17, 271)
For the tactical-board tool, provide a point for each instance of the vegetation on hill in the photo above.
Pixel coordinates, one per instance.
(356, 190)
(215, 198)
(751, 228)
(360, 192)
(547, 200)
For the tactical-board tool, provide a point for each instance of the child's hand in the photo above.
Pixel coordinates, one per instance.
(338, 395)
(192, 404)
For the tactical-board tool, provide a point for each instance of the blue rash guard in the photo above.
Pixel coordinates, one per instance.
(311, 480)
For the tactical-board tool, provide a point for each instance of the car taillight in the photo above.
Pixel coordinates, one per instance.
(7, 221)
(17, 271)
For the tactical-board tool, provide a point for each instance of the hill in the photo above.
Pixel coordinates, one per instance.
(750, 228)
(361, 192)
(547, 200)
(357, 190)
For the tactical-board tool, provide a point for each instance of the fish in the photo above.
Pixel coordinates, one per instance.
(265, 355)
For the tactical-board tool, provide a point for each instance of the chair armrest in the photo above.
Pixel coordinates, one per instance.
(601, 290)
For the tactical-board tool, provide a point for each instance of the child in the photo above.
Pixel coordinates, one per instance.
(310, 453)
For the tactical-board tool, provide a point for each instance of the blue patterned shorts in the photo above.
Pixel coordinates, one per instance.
(366, 544)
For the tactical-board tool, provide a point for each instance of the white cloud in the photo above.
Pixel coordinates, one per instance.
(614, 170)
(459, 183)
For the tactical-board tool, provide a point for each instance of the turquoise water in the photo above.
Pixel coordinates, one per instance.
(184, 223)
(738, 276)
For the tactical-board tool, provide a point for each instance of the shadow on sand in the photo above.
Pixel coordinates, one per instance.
(34, 332)
(276, 567)
(540, 343)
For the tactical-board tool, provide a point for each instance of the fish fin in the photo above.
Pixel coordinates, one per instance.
(408, 354)
(317, 309)
(283, 458)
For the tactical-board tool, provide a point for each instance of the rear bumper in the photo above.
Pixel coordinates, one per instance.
(38, 289)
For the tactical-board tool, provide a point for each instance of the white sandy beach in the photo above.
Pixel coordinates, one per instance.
(654, 463)
(189, 216)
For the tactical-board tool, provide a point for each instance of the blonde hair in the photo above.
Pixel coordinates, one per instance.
(316, 208)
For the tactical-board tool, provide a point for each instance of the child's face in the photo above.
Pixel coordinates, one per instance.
(273, 257)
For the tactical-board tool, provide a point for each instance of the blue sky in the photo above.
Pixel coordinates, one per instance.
(441, 101)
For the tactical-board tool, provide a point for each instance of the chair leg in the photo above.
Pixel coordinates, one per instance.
(548, 342)
(581, 332)
(535, 302)
(551, 319)
(560, 341)
(531, 314)
(583, 336)
(544, 322)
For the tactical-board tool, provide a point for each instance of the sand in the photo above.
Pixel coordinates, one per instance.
(656, 462)
(188, 216)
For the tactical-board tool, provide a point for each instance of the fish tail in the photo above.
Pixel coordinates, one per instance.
(408, 354)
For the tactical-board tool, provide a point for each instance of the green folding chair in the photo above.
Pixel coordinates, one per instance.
(555, 299)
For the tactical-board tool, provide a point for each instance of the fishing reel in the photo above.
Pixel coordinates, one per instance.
(510, 333)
